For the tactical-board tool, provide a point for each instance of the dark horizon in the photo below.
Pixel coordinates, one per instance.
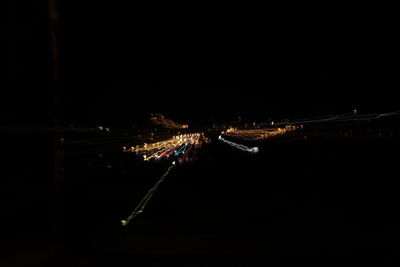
(130, 101)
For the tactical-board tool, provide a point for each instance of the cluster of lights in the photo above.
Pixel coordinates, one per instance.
(183, 147)
(259, 134)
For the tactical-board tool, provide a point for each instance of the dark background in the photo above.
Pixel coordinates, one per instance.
(115, 65)
(120, 62)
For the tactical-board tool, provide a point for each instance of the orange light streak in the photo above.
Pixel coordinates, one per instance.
(259, 134)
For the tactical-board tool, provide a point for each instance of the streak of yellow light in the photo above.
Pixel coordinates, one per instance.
(156, 150)
(259, 134)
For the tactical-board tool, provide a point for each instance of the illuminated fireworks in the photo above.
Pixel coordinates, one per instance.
(183, 147)
(259, 134)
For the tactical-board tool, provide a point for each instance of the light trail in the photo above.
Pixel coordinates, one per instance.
(181, 150)
(340, 118)
(180, 146)
(160, 120)
(143, 203)
(252, 150)
(259, 134)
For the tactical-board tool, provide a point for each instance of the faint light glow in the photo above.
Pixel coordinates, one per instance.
(160, 120)
(341, 118)
(255, 149)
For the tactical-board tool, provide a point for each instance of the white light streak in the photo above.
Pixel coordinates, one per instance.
(143, 203)
(253, 150)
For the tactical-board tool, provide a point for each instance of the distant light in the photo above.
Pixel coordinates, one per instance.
(107, 129)
(272, 123)
(101, 128)
(259, 134)
(158, 150)
(355, 111)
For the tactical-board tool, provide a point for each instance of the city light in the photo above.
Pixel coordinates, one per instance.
(160, 120)
(181, 146)
(259, 134)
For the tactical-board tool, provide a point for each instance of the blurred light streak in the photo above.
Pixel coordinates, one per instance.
(178, 146)
(142, 204)
(239, 146)
(354, 116)
(160, 120)
(259, 134)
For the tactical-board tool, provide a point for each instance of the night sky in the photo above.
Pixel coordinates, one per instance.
(116, 66)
